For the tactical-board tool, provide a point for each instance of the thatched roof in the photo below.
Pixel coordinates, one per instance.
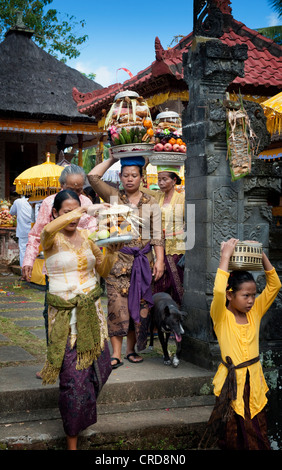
(33, 84)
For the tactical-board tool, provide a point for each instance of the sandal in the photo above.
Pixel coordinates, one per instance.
(118, 364)
(134, 354)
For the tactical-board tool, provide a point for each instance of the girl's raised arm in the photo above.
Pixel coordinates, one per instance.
(227, 249)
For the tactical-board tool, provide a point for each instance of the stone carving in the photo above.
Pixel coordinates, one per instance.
(258, 124)
(212, 163)
(266, 212)
(221, 65)
(225, 216)
(265, 168)
(208, 19)
(262, 183)
(247, 213)
(209, 283)
(257, 232)
(167, 158)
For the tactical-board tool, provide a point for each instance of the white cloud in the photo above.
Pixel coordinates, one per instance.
(83, 67)
(273, 19)
(105, 76)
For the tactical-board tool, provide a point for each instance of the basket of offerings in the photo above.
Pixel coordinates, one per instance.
(4, 205)
(117, 224)
(169, 146)
(247, 256)
(6, 219)
(129, 125)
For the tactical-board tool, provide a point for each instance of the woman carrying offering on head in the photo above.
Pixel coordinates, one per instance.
(129, 282)
(171, 203)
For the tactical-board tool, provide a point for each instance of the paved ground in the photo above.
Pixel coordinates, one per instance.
(23, 343)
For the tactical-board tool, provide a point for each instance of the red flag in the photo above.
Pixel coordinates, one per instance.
(126, 70)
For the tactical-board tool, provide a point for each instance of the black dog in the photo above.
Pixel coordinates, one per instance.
(167, 318)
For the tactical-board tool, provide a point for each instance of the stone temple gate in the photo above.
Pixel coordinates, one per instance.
(223, 209)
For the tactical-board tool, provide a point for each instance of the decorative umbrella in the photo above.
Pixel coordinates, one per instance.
(273, 112)
(39, 181)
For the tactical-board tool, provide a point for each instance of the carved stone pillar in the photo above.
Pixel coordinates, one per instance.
(209, 67)
(223, 208)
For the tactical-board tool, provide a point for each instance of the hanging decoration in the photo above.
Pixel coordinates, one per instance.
(240, 141)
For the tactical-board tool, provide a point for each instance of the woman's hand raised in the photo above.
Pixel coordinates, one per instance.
(94, 209)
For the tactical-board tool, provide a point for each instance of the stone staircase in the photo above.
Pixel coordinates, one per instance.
(144, 406)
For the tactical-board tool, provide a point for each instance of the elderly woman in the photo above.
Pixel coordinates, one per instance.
(128, 307)
(172, 207)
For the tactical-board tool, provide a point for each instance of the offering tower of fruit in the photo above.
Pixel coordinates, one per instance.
(168, 133)
(129, 120)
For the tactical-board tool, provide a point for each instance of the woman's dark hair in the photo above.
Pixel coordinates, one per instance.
(173, 175)
(61, 196)
(237, 278)
(89, 192)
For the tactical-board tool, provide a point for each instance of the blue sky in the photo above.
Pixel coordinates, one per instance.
(122, 33)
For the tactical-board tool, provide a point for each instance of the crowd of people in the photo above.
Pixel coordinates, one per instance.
(77, 330)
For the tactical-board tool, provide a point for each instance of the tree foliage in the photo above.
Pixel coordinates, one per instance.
(56, 33)
(273, 32)
(277, 6)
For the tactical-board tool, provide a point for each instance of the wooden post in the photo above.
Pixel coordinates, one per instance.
(80, 146)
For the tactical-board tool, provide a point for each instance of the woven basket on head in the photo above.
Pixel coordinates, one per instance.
(247, 256)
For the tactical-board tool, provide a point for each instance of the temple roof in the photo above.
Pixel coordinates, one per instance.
(263, 69)
(36, 85)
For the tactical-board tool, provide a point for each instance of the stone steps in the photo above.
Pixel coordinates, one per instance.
(141, 406)
(138, 407)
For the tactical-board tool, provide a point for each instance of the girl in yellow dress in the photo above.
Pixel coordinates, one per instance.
(239, 384)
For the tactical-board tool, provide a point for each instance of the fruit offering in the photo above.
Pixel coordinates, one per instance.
(4, 204)
(117, 221)
(6, 219)
(168, 132)
(129, 120)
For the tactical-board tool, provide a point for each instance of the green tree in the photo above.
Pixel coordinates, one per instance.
(273, 32)
(53, 31)
(277, 6)
(88, 159)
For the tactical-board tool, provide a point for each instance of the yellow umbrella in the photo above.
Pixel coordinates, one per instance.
(273, 112)
(39, 181)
